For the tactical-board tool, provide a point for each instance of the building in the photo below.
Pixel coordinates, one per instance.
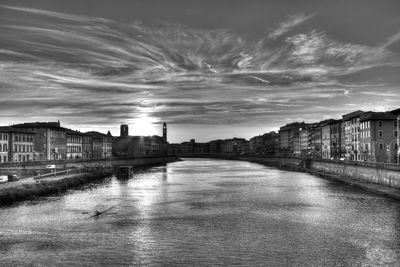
(102, 144)
(316, 141)
(378, 137)
(264, 144)
(138, 146)
(107, 145)
(326, 139)
(87, 144)
(174, 149)
(50, 139)
(19, 145)
(397, 113)
(289, 140)
(304, 140)
(74, 144)
(165, 132)
(215, 146)
(235, 145)
(256, 145)
(351, 127)
(97, 145)
(335, 139)
(4, 146)
(124, 130)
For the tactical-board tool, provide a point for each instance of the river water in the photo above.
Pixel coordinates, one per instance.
(205, 212)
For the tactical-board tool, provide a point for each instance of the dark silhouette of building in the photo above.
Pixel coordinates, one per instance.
(124, 130)
(140, 146)
(164, 131)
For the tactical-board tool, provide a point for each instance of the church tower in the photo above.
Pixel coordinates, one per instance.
(164, 132)
(124, 130)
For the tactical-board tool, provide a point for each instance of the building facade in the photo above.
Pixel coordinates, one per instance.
(289, 140)
(87, 144)
(351, 125)
(74, 144)
(4, 147)
(50, 139)
(335, 139)
(378, 137)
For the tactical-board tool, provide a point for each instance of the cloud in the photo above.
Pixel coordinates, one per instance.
(86, 70)
(391, 40)
(291, 22)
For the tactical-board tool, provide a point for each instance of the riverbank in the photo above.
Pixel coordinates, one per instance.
(378, 181)
(39, 188)
(30, 188)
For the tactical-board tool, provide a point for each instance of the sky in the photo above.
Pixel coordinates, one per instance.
(210, 69)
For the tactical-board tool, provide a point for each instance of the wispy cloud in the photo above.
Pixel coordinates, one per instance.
(391, 40)
(291, 22)
(101, 72)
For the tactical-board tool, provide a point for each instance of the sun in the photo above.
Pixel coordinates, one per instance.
(144, 125)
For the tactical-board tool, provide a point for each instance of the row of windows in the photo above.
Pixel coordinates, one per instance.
(380, 133)
(73, 139)
(380, 124)
(3, 159)
(54, 133)
(23, 158)
(3, 136)
(21, 148)
(365, 134)
(3, 148)
(74, 149)
(23, 138)
(382, 146)
(365, 125)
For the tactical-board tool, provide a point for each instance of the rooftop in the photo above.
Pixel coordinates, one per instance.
(38, 125)
(352, 115)
(368, 116)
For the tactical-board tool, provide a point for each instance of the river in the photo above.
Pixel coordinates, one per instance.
(201, 212)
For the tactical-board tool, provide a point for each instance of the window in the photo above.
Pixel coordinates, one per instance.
(380, 124)
(395, 124)
(394, 133)
(366, 147)
(396, 146)
(5, 147)
(380, 133)
(380, 146)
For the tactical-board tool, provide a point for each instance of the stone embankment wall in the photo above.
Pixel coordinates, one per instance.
(27, 189)
(26, 169)
(361, 172)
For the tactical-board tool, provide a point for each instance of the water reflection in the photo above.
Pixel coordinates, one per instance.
(205, 212)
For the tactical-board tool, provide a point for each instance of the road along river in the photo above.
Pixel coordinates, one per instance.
(205, 212)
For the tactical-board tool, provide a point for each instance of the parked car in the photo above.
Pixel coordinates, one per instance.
(3, 178)
(51, 166)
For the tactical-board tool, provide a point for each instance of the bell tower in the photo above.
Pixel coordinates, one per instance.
(124, 130)
(164, 131)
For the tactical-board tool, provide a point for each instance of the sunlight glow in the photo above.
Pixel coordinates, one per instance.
(145, 125)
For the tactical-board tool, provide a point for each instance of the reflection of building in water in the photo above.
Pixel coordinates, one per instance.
(140, 146)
